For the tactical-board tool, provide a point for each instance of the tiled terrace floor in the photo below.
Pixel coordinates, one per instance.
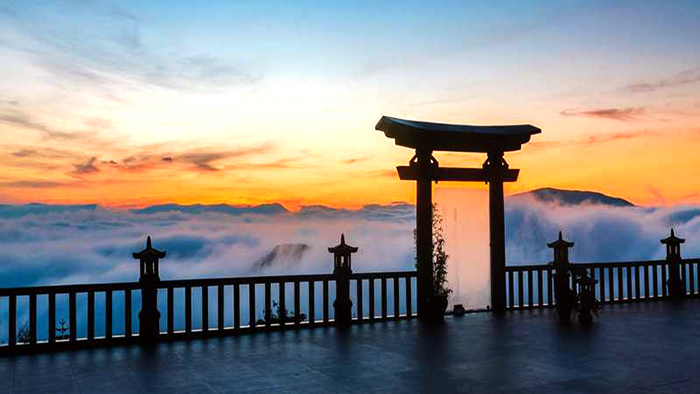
(638, 348)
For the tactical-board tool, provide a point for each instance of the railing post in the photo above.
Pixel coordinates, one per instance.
(342, 269)
(676, 285)
(149, 316)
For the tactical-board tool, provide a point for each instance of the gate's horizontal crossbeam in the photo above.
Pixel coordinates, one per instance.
(408, 173)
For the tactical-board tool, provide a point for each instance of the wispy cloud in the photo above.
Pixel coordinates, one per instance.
(682, 78)
(87, 167)
(628, 114)
(117, 54)
(33, 184)
(23, 120)
(207, 159)
(603, 138)
(357, 159)
(591, 140)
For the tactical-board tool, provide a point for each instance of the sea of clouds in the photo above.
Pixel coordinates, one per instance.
(90, 244)
(42, 245)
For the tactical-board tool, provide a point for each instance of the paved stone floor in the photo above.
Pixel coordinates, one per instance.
(638, 348)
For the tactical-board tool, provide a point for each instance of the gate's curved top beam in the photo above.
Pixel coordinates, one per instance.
(455, 138)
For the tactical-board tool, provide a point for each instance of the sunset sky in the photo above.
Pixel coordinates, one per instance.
(129, 104)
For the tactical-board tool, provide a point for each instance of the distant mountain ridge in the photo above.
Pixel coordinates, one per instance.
(573, 197)
(15, 211)
(389, 212)
(263, 209)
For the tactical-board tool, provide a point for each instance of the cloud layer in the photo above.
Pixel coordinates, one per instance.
(42, 244)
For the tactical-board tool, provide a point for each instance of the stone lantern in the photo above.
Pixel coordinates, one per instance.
(149, 316)
(342, 269)
(676, 285)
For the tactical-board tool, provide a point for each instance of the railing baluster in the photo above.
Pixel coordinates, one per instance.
(655, 280)
(396, 298)
(540, 288)
(72, 317)
(601, 282)
(629, 283)
(359, 300)
(511, 293)
(12, 324)
(52, 318)
(646, 281)
(326, 318)
(268, 304)
(127, 313)
(611, 284)
(251, 305)
(383, 299)
(32, 319)
(550, 286)
(220, 307)
(188, 309)
(691, 278)
(683, 278)
(282, 298)
(663, 279)
(637, 282)
(108, 314)
(409, 297)
(171, 310)
(530, 295)
(205, 308)
(91, 316)
(312, 302)
(620, 284)
(371, 299)
(297, 304)
(521, 290)
(236, 306)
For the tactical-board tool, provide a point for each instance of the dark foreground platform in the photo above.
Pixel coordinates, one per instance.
(634, 348)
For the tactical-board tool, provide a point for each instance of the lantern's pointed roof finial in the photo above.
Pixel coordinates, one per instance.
(560, 242)
(672, 239)
(149, 252)
(342, 247)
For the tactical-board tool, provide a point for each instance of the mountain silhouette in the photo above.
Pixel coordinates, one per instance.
(388, 212)
(572, 197)
(263, 209)
(16, 211)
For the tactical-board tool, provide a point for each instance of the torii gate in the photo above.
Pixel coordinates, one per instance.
(427, 137)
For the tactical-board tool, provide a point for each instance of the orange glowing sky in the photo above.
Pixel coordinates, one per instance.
(249, 103)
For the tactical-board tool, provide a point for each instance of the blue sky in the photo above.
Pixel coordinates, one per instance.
(265, 101)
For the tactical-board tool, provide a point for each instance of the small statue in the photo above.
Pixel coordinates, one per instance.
(586, 304)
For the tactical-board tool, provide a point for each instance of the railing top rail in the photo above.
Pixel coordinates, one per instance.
(82, 288)
(594, 264)
(62, 289)
(277, 279)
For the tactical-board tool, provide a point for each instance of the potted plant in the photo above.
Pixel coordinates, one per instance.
(437, 301)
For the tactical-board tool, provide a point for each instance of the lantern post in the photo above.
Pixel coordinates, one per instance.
(149, 316)
(342, 269)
